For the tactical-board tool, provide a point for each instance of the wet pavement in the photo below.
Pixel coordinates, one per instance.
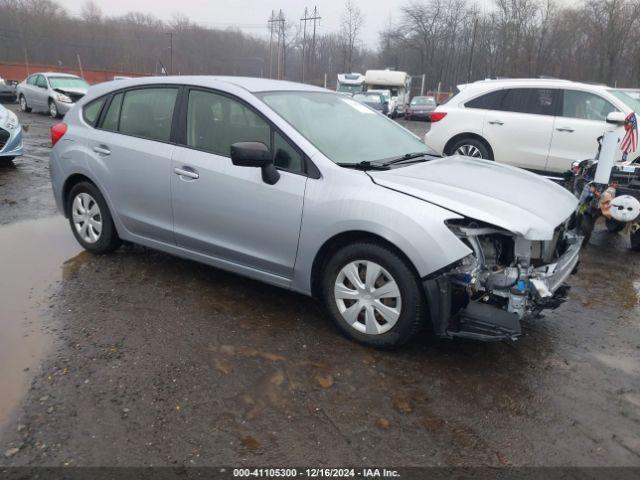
(139, 358)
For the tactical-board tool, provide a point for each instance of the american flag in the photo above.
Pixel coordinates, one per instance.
(630, 140)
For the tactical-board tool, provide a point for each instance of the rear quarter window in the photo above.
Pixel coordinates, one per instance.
(488, 101)
(91, 111)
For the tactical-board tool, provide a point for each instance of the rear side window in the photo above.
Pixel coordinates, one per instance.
(112, 117)
(539, 101)
(32, 79)
(148, 113)
(215, 122)
(91, 111)
(489, 101)
(585, 105)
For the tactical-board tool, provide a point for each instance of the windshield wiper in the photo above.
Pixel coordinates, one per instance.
(365, 165)
(407, 156)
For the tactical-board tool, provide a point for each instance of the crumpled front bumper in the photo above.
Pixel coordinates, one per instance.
(13, 146)
(488, 321)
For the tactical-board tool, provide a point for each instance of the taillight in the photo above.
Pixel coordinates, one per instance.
(57, 132)
(437, 116)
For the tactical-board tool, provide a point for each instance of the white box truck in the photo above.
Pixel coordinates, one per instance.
(350, 83)
(397, 83)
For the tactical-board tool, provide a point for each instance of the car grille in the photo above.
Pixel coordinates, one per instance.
(75, 96)
(4, 137)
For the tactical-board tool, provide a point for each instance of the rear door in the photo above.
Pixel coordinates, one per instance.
(520, 131)
(577, 128)
(132, 152)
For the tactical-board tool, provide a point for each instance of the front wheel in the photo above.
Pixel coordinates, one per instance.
(90, 219)
(373, 295)
(53, 109)
(470, 147)
(23, 104)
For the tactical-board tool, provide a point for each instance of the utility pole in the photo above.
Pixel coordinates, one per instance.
(280, 45)
(170, 52)
(314, 17)
(271, 21)
(473, 44)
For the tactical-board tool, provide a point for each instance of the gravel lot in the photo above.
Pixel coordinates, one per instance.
(139, 358)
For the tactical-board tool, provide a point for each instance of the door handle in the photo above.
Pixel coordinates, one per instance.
(565, 129)
(496, 122)
(102, 150)
(186, 172)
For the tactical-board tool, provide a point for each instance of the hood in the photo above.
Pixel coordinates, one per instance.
(507, 197)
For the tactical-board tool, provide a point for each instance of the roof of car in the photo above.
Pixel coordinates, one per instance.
(248, 83)
(541, 82)
(56, 74)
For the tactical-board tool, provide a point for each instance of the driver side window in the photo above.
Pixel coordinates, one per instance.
(41, 82)
(216, 121)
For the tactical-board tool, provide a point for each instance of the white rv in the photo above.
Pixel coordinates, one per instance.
(350, 83)
(398, 84)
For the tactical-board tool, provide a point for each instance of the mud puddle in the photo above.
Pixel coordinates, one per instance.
(32, 260)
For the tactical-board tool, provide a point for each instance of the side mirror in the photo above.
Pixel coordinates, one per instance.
(255, 154)
(616, 118)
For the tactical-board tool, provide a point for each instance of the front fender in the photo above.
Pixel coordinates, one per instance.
(415, 227)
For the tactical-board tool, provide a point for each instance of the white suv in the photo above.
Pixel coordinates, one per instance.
(539, 124)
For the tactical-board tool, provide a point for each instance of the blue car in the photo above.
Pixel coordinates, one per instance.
(10, 135)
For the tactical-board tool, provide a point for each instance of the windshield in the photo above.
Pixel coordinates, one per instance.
(376, 99)
(341, 128)
(343, 87)
(423, 101)
(68, 82)
(627, 99)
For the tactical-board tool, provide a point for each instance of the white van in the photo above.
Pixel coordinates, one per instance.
(398, 83)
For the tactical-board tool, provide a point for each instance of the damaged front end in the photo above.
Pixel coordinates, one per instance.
(506, 278)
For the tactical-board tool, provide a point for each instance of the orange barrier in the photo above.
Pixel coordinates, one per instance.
(20, 71)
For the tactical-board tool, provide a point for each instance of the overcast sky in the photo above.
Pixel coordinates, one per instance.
(252, 15)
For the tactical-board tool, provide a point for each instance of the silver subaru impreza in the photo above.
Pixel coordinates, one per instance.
(312, 191)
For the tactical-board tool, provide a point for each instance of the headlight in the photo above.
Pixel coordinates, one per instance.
(63, 98)
(12, 120)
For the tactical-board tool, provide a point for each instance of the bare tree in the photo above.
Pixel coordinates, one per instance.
(351, 24)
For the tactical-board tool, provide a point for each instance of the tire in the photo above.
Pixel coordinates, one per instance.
(474, 148)
(102, 240)
(53, 110)
(23, 104)
(614, 226)
(387, 322)
(634, 238)
(586, 223)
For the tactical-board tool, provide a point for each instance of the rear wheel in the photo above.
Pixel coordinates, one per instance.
(613, 225)
(470, 147)
(90, 219)
(586, 224)
(373, 295)
(23, 104)
(634, 238)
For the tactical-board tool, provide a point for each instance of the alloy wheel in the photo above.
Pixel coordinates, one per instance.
(87, 218)
(367, 297)
(23, 104)
(53, 110)
(469, 151)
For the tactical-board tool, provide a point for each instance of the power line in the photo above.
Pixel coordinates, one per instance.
(315, 16)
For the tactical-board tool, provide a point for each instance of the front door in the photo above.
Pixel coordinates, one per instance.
(576, 131)
(228, 212)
